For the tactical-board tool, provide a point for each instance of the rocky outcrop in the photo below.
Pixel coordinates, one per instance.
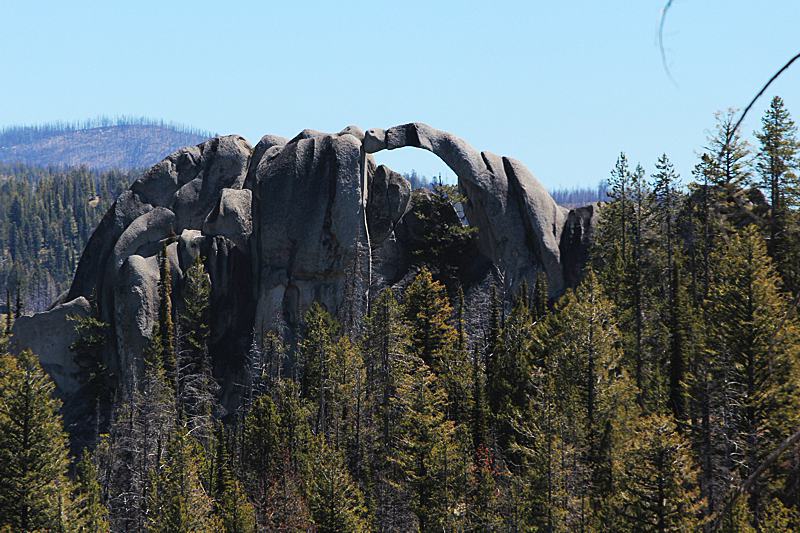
(519, 222)
(49, 335)
(291, 222)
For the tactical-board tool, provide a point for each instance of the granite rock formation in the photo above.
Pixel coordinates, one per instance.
(289, 222)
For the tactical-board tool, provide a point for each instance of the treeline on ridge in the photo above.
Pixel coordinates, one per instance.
(47, 215)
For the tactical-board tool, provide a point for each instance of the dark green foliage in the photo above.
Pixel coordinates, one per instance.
(90, 513)
(33, 448)
(447, 242)
(46, 218)
(230, 506)
(88, 355)
(776, 164)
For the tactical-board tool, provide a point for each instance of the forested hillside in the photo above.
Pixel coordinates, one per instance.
(104, 143)
(637, 402)
(46, 217)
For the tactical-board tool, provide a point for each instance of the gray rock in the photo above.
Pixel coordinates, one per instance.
(49, 335)
(309, 223)
(388, 200)
(519, 223)
(291, 222)
(149, 228)
(232, 217)
(576, 239)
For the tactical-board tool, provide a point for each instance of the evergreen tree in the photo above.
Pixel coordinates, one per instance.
(91, 514)
(756, 372)
(508, 386)
(178, 502)
(320, 333)
(335, 502)
(593, 397)
(657, 481)
(230, 506)
(776, 162)
(166, 328)
(427, 313)
(423, 453)
(88, 355)
(33, 447)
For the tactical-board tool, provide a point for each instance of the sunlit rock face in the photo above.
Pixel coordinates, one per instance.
(290, 222)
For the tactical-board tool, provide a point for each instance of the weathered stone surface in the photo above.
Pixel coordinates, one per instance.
(309, 223)
(388, 200)
(519, 223)
(49, 335)
(232, 217)
(576, 239)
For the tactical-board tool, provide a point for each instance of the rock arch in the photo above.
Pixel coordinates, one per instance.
(519, 223)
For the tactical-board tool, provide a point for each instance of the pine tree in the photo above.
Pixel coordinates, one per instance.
(166, 328)
(9, 319)
(384, 345)
(88, 355)
(508, 386)
(657, 480)
(592, 395)
(319, 337)
(759, 372)
(178, 502)
(33, 447)
(230, 506)
(427, 313)
(91, 514)
(335, 502)
(196, 386)
(423, 454)
(776, 162)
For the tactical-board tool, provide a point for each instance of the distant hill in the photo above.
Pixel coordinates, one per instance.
(101, 143)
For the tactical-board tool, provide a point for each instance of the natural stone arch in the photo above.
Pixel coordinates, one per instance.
(519, 223)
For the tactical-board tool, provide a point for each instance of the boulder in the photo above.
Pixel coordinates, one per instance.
(49, 335)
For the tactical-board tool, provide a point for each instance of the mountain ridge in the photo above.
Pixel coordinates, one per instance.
(100, 143)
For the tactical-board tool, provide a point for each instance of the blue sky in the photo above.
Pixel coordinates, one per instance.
(563, 87)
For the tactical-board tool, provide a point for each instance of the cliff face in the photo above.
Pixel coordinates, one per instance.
(291, 222)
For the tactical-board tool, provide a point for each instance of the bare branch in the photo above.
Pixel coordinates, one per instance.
(661, 17)
(753, 101)
(788, 443)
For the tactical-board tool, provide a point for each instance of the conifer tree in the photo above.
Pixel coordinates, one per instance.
(593, 394)
(427, 313)
(384, 345)
(508, 386)
(759, 372)
(320, 333)
(335, 502)
(776, 163)
(166, 328)
(178, 502)
(657, 480)
(424, 453)
(33, 447)
(230, 506)
(9, 319)
(90, 513)
(88, 355)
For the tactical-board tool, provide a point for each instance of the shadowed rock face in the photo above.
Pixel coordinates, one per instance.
(291, 222)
